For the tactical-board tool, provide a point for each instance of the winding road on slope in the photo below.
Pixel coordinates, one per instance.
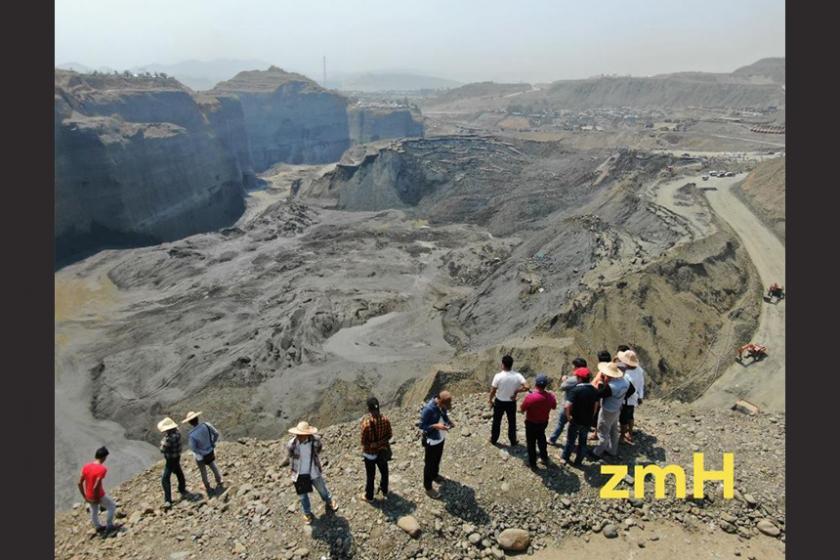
(761, 383)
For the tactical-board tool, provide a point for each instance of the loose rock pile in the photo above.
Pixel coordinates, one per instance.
(491, 503)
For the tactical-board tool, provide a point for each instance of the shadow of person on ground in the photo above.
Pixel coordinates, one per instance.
(644, 451)
(395, 506)
(460, 501)
(334, 530)
(553, 476)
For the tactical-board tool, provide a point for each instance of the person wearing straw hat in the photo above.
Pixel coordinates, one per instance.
(304, 460)
(170, 446)
(634, 373)
(203, 437)
(612, 386)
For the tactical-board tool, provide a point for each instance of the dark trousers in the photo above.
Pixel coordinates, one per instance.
(173, 466)
(535, 435)
(370, 471)
(579, 433)
(501, 408)
(431, 466)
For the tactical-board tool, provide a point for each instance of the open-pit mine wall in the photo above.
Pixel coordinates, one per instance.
(368, 124)
(142, 162)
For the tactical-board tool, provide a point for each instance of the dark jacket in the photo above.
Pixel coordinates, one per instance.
(432, 414)
(170, 445)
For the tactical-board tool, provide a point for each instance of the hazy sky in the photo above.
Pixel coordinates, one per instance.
(465, 40)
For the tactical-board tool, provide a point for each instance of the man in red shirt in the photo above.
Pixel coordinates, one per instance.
(537, 406)
(92, 490)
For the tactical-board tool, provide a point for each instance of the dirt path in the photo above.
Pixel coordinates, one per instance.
(762, 383)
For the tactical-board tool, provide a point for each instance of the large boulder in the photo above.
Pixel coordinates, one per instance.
(409, 524)
(514, 540)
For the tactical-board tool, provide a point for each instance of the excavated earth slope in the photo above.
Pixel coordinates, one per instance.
(303, 309)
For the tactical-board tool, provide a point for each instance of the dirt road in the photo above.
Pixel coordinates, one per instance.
(762, 383)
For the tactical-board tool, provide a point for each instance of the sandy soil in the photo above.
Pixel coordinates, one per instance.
(665, 541)
(81, 304)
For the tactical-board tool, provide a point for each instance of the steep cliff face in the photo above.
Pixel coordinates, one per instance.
(289, 118)
(141, 160)
(368, 124)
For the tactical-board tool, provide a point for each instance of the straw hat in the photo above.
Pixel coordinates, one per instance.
(628, 357)
(610, 369)
(167, 424)
(190, 416)
(303, 429)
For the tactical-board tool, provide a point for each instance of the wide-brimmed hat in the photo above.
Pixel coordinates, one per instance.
(190, 416)
(303, 429)
(628, 357)
(610, 369)
(167, 424)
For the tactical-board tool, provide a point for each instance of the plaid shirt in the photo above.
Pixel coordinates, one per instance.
(376, 432)
(170, 445)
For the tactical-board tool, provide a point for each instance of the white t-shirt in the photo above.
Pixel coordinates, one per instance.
(305, 450)
(506, 383)
(636, 376)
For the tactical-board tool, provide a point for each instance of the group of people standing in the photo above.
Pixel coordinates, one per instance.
(605, 401)
(202, 442)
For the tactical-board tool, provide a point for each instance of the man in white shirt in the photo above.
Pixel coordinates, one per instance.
(504, 388)
(633, 373)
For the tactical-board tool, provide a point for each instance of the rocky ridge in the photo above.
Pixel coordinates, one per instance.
(491, 502)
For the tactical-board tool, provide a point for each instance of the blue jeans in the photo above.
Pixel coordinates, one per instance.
(561, 423)
(576, 431)
(319, 485)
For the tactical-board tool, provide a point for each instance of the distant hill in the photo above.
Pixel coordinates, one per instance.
(75, 67)
(83, 69)
(752, 86)
(389, 81)
(263, 81)
(772, 68)
(203, 74)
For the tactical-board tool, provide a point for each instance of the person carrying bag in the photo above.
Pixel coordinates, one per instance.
(304, 461)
